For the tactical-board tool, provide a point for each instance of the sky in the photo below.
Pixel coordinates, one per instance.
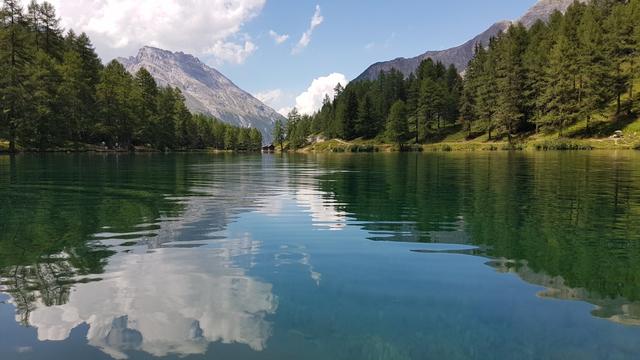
(285, 52)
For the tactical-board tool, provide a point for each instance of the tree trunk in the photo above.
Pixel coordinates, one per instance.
(588, 118)
(618, 103)
(619, 93)
(12, 138)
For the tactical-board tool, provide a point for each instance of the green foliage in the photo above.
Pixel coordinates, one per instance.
(397, 129)
(279, 134)
(561, 144)
(54, 90)
(575, 67)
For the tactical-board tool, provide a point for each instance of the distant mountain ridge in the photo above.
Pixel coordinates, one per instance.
(205, 89)
(461, 55)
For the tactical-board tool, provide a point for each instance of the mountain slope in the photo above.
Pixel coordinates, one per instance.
(205, 89)
(461, 55)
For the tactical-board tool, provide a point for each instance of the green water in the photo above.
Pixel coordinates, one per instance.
(378, 256)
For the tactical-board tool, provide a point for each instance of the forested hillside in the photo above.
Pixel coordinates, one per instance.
(55, 93)
(577, 67)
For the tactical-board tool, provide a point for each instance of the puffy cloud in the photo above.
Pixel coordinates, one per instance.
(285, 111)
(277, 99)
(231, 52)
(310, 101)
(279, 39)
(304, 41)
(120, 27)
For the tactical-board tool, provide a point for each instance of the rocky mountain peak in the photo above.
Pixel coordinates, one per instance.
(206, 90)
(542, 9)
(461, 55)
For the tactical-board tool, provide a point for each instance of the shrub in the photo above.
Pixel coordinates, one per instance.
(561, 145)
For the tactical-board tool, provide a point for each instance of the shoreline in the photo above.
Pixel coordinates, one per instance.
(339, 146)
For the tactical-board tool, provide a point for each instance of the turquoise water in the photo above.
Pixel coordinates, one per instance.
(377, 256)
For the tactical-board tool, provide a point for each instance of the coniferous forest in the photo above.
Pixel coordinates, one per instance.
(56, 93)
(578, 66)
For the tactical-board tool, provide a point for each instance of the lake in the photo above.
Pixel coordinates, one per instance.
(376, 256)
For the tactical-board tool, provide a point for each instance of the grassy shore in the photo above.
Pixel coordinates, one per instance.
(597, 135)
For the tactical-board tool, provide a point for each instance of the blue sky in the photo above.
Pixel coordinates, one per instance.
(355, 34)
(234, 35)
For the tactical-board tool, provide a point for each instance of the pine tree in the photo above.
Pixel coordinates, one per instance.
(366, 125)
(349, 115)
(15, 55)
(231, 139)
(164, 135)
(397, 130)
(510, 109)
(73, 88)
(256, 140)
(594, 65)
(52, 40)
(486, 97)
(33, 23)
(117, 115)
(413, 95)
(620, 41)
(635, 68)
(43, 128)
(535, 62)
(560, 94)
(294, 134)
(186, 130)
(279, 134)
(146, 104)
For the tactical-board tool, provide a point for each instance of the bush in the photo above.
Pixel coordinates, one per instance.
(362, 148)
(409, 148)
(561, 145)
(446, 148)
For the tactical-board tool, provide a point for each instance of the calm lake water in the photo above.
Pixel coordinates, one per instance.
(379, 256)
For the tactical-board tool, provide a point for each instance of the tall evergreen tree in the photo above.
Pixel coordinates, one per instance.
(51, 33)
(75, 111)
(620, 36)
(595, 82)
(559, 95)
(366, 125)
(147, 104)
(397, 123)
(15, 55)
(117, 113)
(42, 127)
(510, 107)
(279, 134)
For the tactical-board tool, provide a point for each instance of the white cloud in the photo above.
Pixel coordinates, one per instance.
(285, 111)
(270, 96)
(310, 101)
(231, 52)
(121, 27)
(304, 41)
(277, 99)
(279, 39)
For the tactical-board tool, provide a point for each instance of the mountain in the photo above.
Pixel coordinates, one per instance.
(461, 55)
(205, 89)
